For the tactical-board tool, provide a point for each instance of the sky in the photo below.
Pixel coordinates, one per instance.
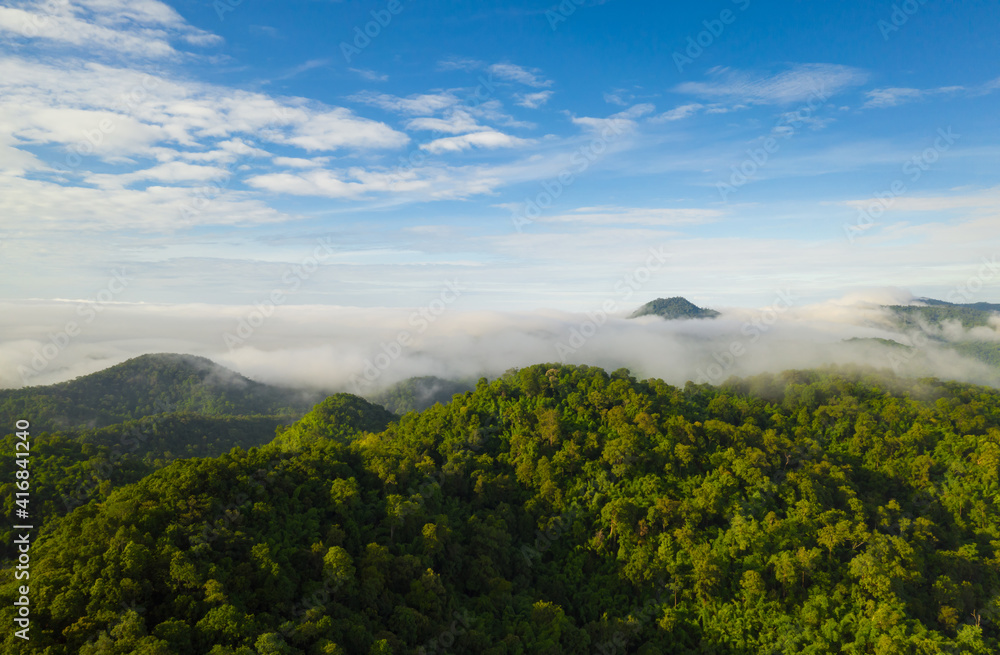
(539, 156)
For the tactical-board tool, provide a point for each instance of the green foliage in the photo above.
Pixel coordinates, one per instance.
(673, 308)
(558, 509)
(340, 417)
(969, 316)
(418, 394)
(147, 386)
(72, 468)
(987, 352)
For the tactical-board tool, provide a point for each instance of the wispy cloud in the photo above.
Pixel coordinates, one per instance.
(628, 116)
(526, 76)
(458, 121)
(370, 74)
(534, 100)
(417, 104)
(461, 64)
(678, 113)
(893, 97)
(304, 67)
(651, 216)
(795, 85)
(618, 98)
(989, 199)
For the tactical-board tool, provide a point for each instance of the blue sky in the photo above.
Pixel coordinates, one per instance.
(533, 151)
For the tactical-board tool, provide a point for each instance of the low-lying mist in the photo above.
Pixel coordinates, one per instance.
(365, 350)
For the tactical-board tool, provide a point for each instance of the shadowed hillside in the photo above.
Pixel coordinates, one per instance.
(146, 386)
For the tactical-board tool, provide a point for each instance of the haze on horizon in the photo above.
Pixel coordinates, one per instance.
(166, 168)
(364, 351)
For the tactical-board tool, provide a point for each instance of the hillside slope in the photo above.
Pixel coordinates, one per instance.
(417, 394)
(146, 386)
(560, 509)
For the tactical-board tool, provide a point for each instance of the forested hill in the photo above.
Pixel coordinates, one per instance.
(933, 313)
(674, 309)
(417, 394)
(146, 386)
(559, 509)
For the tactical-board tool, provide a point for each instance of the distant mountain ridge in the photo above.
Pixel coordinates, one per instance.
(146, 386)
(934, 312)
(980, 306)
(673, 309)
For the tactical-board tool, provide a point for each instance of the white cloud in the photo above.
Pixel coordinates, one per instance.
(617, 98)
(426, 103)
(405, 184)
(172, 173)
(331, 129)
(618, 122)
(879, 98)
(128, 112)
(459, 121)
(489, 139)
(986, 199)
(143, 28)
(44, 207)
(298, 162)
(314, 183)
(635, 216)
(353, 183)
(534, 100)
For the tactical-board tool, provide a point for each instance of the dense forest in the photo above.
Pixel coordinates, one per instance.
(70, 468)
(557, 509)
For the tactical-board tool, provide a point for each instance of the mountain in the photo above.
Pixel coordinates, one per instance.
(888, 343)
(673, 308)
(340, 417)
(935, 312)
(557, 509)
(930, 317)
(146, 386)
(981, 306)
(417, 394)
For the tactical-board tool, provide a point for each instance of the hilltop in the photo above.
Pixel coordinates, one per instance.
(145, 386)
(673, 309)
